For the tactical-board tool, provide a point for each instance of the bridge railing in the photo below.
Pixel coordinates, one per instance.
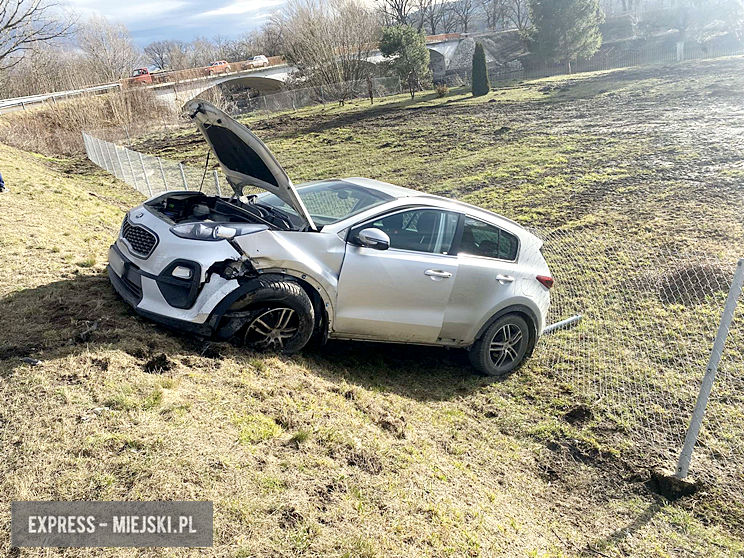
(442, 37)
(175, 76)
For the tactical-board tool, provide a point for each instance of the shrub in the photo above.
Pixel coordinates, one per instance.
(442, 89)
(481, 86)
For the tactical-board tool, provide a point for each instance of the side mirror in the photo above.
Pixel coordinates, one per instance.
(374, 238)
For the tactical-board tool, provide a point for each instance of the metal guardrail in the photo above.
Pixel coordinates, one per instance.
(36, 99)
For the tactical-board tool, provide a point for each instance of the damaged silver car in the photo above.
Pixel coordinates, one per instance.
(348, 258)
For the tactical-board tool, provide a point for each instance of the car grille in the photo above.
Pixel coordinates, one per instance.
(141, 240)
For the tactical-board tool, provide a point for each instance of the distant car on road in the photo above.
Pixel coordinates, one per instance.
(219, 67)
(348, 258)
(259, 61)
(140, 76)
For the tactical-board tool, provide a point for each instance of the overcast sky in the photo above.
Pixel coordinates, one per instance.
(152, 20)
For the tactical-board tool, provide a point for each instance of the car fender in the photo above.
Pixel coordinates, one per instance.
(315, 258)
(309, 279)
(513, 305)
(251, 284)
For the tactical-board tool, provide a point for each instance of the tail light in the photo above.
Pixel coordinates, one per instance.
(545, 281)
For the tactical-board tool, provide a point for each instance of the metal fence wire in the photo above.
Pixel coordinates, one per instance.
(150, 175)
(649, 317)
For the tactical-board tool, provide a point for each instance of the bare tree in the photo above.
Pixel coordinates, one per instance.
(45, 67)
(422, 10)
(203, 52)
(330, 41)
(109, 49)
(397, 11)
(223, 47)
(434, 15)
(26, 23)
(272, 37)
(464, 11)
(180, 55)
(495, 12)
(447, 17)
(158, 54)
(518, 13)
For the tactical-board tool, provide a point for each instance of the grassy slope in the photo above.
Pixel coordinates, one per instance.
(354, 450)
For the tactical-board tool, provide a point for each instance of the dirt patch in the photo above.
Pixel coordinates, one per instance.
(15, 351)
(158, 364)
(671, 487)
(289, 517)
(692, 284)
(101, 363)
(579, 415)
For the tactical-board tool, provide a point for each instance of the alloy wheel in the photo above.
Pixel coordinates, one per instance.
(505, 345)
(272, 328)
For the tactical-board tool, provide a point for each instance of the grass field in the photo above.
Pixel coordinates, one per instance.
(362, 450)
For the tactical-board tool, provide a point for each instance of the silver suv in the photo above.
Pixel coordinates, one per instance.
(349, 258)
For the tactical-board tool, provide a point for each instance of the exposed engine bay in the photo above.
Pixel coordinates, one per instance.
(195, 207)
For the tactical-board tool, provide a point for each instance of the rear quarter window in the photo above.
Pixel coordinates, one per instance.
(488, 241)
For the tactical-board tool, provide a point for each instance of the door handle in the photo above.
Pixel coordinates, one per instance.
(504, 278)
(438, 273)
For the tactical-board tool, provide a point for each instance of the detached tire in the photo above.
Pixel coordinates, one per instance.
(503, 346)
(281, 316)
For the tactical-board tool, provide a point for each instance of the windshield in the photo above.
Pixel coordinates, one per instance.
(329, 202)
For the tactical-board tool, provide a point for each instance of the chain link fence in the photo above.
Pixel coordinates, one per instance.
(152, 175)
(638, 354)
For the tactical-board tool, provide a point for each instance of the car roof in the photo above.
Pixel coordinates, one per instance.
(399, 192)
(384, 187)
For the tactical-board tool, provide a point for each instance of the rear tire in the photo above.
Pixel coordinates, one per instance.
(503, 346)
(281, 316)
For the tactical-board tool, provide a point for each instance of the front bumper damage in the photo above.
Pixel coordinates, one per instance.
(146, 293)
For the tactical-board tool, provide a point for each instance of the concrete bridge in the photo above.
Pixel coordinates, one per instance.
(263, 79)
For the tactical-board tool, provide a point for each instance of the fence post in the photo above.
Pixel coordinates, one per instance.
(144, 173)
(683, 466)
(162, 173)
(131, 169)
(217, 183)
(183, 176)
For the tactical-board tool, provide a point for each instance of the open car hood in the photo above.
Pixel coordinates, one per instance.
(243, 157)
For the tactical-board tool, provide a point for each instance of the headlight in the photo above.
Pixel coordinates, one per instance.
(214, 231)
